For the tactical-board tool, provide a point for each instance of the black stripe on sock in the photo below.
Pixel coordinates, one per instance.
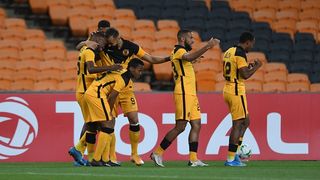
(134, 127)
(193, 146)
(233, 147)
(91, 138)
(165, 144)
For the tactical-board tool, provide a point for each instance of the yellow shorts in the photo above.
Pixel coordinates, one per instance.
(237, 105)
(83, 106)
(127, 101)
(99, 108)
(187, 107)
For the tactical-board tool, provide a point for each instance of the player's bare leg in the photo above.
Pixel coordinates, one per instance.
(156, 156)
(193, 144)
(134, 135)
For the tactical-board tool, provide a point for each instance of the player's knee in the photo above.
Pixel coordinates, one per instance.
(134, 127)
(180, 128)
(91, 138)
(107, 130)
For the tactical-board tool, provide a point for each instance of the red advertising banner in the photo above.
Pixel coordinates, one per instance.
(42, 127)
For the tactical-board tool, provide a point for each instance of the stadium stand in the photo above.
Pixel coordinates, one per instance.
(287, 36)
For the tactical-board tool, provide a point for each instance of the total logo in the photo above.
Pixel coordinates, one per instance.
(23, 125)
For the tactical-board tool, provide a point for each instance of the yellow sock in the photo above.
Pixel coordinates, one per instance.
(193, 156)
(230, 156)
(134, 140)
(81, 146)
(159, 151)
(113, 156)
(106, 151)
(102, 141)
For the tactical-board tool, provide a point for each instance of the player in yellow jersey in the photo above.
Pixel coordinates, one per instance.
(185, 97)
(122, 51)
(235, 71)
(101, 98)
(87, 71)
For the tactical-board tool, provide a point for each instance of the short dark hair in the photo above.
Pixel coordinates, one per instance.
(135, 62)
(103, 24)
(246, 36)
(112, 32)
(96, 35)
(182, 33)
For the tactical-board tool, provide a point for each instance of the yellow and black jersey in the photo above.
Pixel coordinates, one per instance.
(102, 86)
(184, 76)
(234, 59)
(84, 79)
(114, 55)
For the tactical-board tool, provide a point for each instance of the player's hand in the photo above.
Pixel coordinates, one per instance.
(257, 63)
(92, 44)
(116, 67)
(213, 42)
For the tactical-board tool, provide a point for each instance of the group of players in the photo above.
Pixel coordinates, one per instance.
(106, 66)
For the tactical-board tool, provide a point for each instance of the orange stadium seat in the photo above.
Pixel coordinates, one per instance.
(289, 4)
(34, 34)
(205, 85)
(159, 35)
(161, 46)
(219, 77)
(46, 85)
(123, 27)
(124, 14)
(212, 55)
(98, 14)
(137, 34)
(258, 76)
(168, 25)
(298, 87)
(7, 70)
(67, 85)
(103, 4)
(265, 15)
(308, 26)
(297, 77)
(170, 43)
(5, 56)
(206, 75)
(315, 87)
(81, 4)
(288, 14)
(22, 85)
(285, 26)
(310, 4)
(142, 87)
(15, 23)
(31, 54)
(38, 6)
(243, 5)
(252, 86)
(143, 24)
(163, 71)
(276, 76)
(17, 35)
(309, 14)
(49, 74)
(251, 56)
(58, 12)
(32, 44)
(146, 44)
(22, 74)
(3, 13)
(54, 44)
(206, 65)
(72, 56)
(9, 46)
(274, 87)
(78, 26)
(219, 86)
(5, 84)
(262, 4)
(271, 67)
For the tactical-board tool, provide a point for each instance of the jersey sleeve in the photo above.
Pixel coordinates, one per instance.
(89, 55)
(241, 62)
(140, 52)
(120, 84)
(180, 53)
(136, 49)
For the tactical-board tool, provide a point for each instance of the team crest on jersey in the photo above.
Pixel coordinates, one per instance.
(125, 52)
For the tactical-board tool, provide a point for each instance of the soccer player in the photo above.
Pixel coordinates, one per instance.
(186, 101)
(87, 71)
(235, 71)
(101, 98)
(121, 51)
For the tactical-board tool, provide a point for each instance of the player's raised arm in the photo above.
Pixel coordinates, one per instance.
(155, 59)
(195, 55)
(248, 71)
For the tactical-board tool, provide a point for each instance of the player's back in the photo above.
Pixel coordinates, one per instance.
(234, 59)
(84, 78)
(184, 76)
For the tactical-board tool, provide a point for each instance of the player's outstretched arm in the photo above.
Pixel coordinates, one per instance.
(93, 69)
(194, 55)
(154, 59)
(247, 72)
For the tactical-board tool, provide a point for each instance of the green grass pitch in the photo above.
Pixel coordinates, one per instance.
(256, 170)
